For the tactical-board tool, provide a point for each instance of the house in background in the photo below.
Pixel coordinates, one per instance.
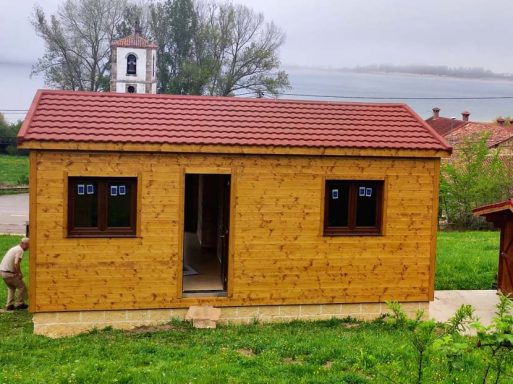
(456, 131)
(143, 205)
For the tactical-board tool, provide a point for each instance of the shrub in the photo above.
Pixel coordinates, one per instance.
(474, 176)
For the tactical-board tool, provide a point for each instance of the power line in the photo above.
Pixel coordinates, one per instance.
(22, 111)
(401, 98)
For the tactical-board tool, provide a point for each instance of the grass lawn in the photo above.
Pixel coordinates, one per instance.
(467, 260)
(332, 351)
(13, 169)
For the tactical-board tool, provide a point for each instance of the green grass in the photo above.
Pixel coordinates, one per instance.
(13, 169)
(330, 351)
(467, 260)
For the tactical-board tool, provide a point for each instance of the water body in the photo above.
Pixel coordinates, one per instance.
(18, 89)
(337, 83)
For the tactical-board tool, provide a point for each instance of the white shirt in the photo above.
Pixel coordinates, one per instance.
(14, 254)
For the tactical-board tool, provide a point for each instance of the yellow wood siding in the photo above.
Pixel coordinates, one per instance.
(278, 254)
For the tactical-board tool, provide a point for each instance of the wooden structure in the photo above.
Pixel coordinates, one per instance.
(246, 180)
(501, 215)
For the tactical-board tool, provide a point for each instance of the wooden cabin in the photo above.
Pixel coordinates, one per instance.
(501, 215)
(142, 206)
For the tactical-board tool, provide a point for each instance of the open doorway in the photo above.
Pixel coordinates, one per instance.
(206, 230)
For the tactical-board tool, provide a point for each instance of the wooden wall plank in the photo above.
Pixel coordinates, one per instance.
(278, 254)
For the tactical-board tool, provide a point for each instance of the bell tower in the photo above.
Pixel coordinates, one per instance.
(134, 61)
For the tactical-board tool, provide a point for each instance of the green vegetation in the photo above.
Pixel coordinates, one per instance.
(467, 260)
(475, 176)
(330, 351)
(13, 170)
(8, 133)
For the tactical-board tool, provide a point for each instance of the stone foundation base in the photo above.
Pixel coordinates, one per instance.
(59, 324)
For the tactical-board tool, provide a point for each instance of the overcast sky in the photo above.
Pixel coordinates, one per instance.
(344, 33)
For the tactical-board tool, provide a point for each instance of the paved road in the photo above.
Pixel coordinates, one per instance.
(14, 212)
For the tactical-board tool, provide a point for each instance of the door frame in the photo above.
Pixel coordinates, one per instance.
(181, 224)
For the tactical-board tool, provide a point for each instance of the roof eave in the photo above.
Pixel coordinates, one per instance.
(20, 138)
(493, 208)
(431, 130)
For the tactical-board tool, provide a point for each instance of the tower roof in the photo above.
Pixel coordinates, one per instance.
(135, 40)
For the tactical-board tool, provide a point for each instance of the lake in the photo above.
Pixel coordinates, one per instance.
(352, 84)
(18, 90)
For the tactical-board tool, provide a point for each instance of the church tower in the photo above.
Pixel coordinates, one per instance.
(134, 61)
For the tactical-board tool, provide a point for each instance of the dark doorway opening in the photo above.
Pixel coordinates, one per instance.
(206, 231)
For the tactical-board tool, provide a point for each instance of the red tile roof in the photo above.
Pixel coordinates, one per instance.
(67, 116)
(133, 41)
(497, 133)
(444, 125)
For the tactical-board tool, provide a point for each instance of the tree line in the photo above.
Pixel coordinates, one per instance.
(8, 133)
(204, 48)
(436, 70)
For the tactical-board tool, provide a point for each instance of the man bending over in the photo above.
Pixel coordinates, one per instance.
(10, 271)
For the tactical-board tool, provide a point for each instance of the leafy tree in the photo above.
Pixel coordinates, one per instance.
(77, 43)
(203, 48)
(475, 176)
(175, 27)
(215, 49)
(8, 133)
(134, 16)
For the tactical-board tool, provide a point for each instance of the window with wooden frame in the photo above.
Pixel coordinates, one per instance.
(102, 206)
(353, 207)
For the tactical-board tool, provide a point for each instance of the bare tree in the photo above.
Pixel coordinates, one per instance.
(77, 43)
(248, 52)
(203, 47)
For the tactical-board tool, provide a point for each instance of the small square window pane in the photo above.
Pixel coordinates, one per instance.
(338, 204)
(86, 208)
(366, 206)
(119, 207)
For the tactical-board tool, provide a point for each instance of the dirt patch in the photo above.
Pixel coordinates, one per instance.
(349, 325)
(327, 364)
(245, 352)
(151, 329)
(290, 360)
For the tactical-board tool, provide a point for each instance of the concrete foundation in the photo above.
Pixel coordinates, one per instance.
(60, 324)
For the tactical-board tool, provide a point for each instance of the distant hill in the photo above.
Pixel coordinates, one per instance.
(436, 70)
(414, 69)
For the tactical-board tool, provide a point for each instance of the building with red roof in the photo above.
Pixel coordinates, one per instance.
(444, 125)
(456, 131)
(142, 206)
